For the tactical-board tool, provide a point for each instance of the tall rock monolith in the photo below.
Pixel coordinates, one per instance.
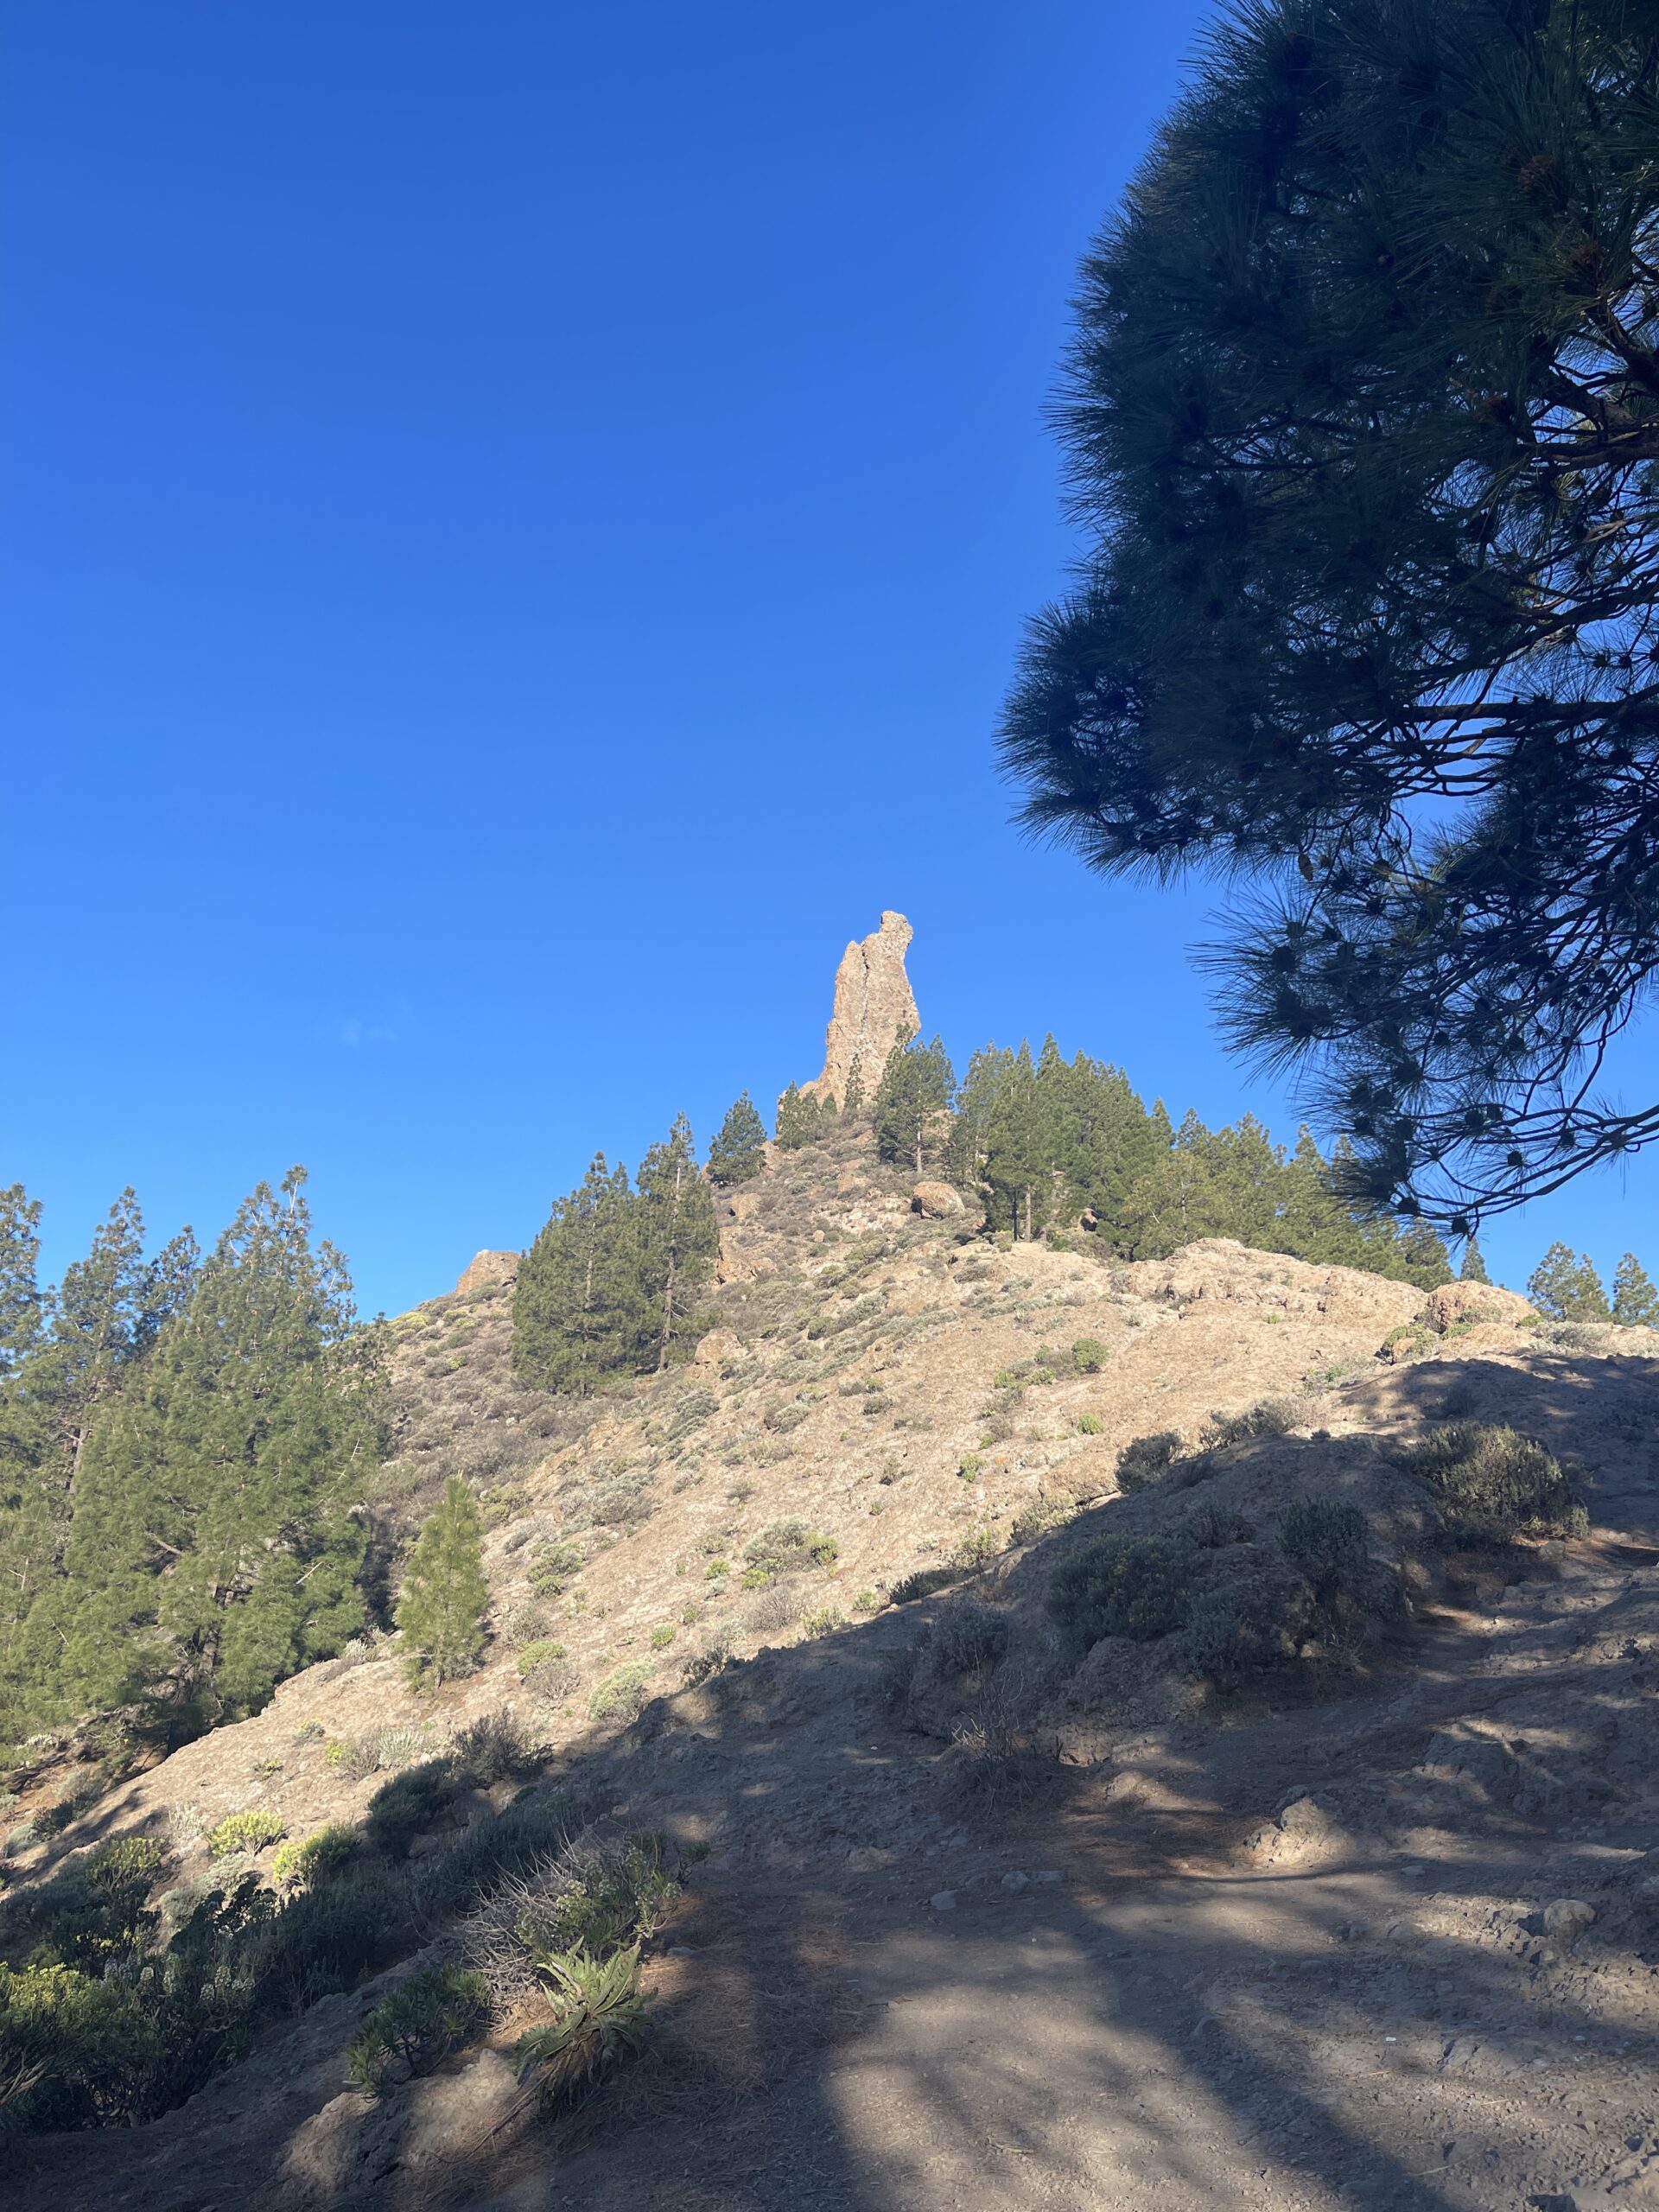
(875, 1008)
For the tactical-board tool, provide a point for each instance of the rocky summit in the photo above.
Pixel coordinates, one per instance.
(874, 1009)
(1099, 1735)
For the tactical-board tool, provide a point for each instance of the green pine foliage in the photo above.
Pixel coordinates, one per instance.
(445, 1598)
(803, 1118)
(611, 1286)
(1635, 1302)
(184, 1447)
(1047, 1143)
(1568, 1289)
(913, 1101)
(1474, 1265)
(852, 1105)
(738, 1152)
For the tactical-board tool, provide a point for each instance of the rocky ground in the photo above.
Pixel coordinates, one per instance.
(1384, 1934)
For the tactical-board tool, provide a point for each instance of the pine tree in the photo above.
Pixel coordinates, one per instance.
(445, 1598)
(1474, 1265)
(853, 1104)
(739, 1149)
(1635, 1302)
(579, 1309)
(915, 1092)
(216, 1533)
(1567, 1289)
(801, 1118)
(20, 1293)
(679, 1241)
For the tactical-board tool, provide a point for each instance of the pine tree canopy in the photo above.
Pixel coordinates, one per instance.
(913, 1099)
(1363, 413)
(1567, 1289)
(184, 1450)
(1474, 1266)
(610, 1286)
(445, 1598)
(803, 1118)
(739, 1149)
(1635, 1302)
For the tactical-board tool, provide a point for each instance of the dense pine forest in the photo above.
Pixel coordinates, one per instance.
(190, 1444)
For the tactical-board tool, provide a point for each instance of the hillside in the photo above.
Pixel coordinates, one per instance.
(970, 1911)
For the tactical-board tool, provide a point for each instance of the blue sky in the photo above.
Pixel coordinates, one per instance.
(516, 521)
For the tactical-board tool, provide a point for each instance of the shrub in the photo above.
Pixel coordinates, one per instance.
(703, 1665)
(1120, 1585)
(606, 1895)
(972, 1467)
(975, 1547)
(331, 1937)
(541, 1653)
(1089, 1425)
(1494, 1485)
(1035, 1519)
(1330, 1543)
(73, 2049)
(1267, 1417)
(780, 1604)
(923, 1583)
(422, 2021)
(1089, 1355)
(821, 1622)
(410, 1804)
(94, 1912)
(866, 1601)
(1146, 1458)
(662, 1636)
(600, 2017)
(250, 1831)
(786, 1544)
(1212, 1528)
(301, 1865)
(494, 1748)
(1253, 1620)
(500, 1848)
(621, 1694)
(553, 1565)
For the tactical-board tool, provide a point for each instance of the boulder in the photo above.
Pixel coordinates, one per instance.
(717, 1347)
(1475, 1302)
(454, 2113)
(935, 1201)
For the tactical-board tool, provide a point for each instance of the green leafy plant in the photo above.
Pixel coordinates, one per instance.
(621, 1694)
(1089, 1355)
(422, 2021)
(552, 1565)
(1120, 1585)
(249, 1831)
(300, 1865)
(1146, 1458)
(662, 1636)
(1494, 1484)
(600, 2017)
(1089, 1424)
(820, 1621)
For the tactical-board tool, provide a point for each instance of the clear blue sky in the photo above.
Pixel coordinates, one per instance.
(517, 519)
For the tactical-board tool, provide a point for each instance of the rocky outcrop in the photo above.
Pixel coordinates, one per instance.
(1475, 1302)
(487, 1269)
(935, 1201)
(874, 1007)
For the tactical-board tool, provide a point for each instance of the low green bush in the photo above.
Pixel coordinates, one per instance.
(422, 2021)
(1089, 1355)
(1493, 1484)
(616, 1895)
(820, 1621)
(74, 2051)
(329, 1937)
(1146, 1458)
(1120, 1585)
(923, 1583)
(96, 1911)
(1267, 1417)
(249, 1831)
(410, 1804)
(553, 1565)
(493, 1748)
(1330, 1543)
(538, 1654)
(302, 1864)
(621, 1694)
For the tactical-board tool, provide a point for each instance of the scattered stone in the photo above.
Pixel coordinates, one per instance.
(1015, 1883)
(1566, 1919)
(944, 1901)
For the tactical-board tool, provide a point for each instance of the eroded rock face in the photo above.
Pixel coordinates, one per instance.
(874, 1005)
(1475, 1302)
(487, 1267)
